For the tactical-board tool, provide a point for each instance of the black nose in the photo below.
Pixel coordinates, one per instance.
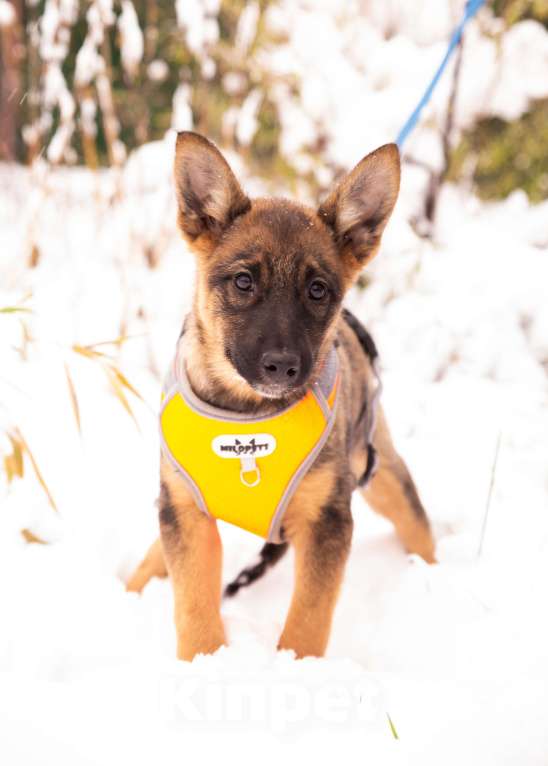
(280, 366)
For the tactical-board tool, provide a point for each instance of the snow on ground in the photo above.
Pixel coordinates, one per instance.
(455, 654)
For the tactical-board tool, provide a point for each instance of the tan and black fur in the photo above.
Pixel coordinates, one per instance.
(252, 343)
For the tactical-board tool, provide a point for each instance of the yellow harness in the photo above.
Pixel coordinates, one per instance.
(241, 469)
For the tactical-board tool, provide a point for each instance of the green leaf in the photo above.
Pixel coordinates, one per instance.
(14, 310)
(392, 727)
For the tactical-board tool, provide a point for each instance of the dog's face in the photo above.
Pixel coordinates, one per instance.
(274, 284)
(271, 273)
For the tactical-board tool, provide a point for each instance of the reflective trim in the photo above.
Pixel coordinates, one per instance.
(195, 490)
(277, 518)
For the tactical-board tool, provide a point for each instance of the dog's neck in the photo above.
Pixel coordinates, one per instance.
(215, 381)
(213, 378)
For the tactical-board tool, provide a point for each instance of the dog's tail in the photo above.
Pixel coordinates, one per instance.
(270, 554)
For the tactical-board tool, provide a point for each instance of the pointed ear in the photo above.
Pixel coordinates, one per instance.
(208, 195)
(359, 208)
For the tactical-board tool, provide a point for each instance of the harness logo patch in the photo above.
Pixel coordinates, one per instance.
(248, 445)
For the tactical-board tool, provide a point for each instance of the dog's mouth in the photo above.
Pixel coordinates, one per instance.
(273, 391)
(257, 377)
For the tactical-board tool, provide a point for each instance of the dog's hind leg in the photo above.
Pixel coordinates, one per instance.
(153, 565)
(392, 493)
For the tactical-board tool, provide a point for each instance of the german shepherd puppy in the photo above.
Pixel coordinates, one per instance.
(271, 277)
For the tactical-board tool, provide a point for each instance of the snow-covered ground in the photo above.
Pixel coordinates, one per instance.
(454, 654)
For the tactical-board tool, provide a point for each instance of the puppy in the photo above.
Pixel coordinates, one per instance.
(266, 323)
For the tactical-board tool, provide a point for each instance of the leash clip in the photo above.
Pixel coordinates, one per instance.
(248, 465)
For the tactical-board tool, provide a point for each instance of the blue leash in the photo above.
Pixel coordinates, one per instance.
(472, 7)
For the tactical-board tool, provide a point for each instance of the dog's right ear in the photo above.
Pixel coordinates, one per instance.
(208, 195)
(359, 207)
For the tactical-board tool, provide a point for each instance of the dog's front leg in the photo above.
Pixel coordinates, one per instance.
(193, 555)
(322, 544)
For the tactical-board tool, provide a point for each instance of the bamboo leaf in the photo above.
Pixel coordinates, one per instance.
(392, 727)
(73, 399)
(30, 537)
(118, 391)
(17, 455)
(9, 468)
(34, 257)
(89, 352)
(26, 339)
(14, 310)
(37, 471)
(116, 342)
(119, 384)
(125, 382)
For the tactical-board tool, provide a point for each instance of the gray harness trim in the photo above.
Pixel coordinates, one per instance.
(177, 382)
(274, 534)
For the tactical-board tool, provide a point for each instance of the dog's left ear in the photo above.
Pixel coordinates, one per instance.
(208, 195)
(359, 208)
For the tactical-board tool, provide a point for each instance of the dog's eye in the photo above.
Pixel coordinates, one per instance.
(243, 281)
(317, 290)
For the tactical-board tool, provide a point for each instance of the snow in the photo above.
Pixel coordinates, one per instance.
(55, 24)
(132, 42)
(88, 62)
(181, 118)
(7, 13)
(56, 92)
(455, 653)
(247, 28)
(158, 70)
(248, 123)
(367, 63)
(199, 22)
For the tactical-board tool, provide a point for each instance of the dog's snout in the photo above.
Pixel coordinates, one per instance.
(280, 366)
